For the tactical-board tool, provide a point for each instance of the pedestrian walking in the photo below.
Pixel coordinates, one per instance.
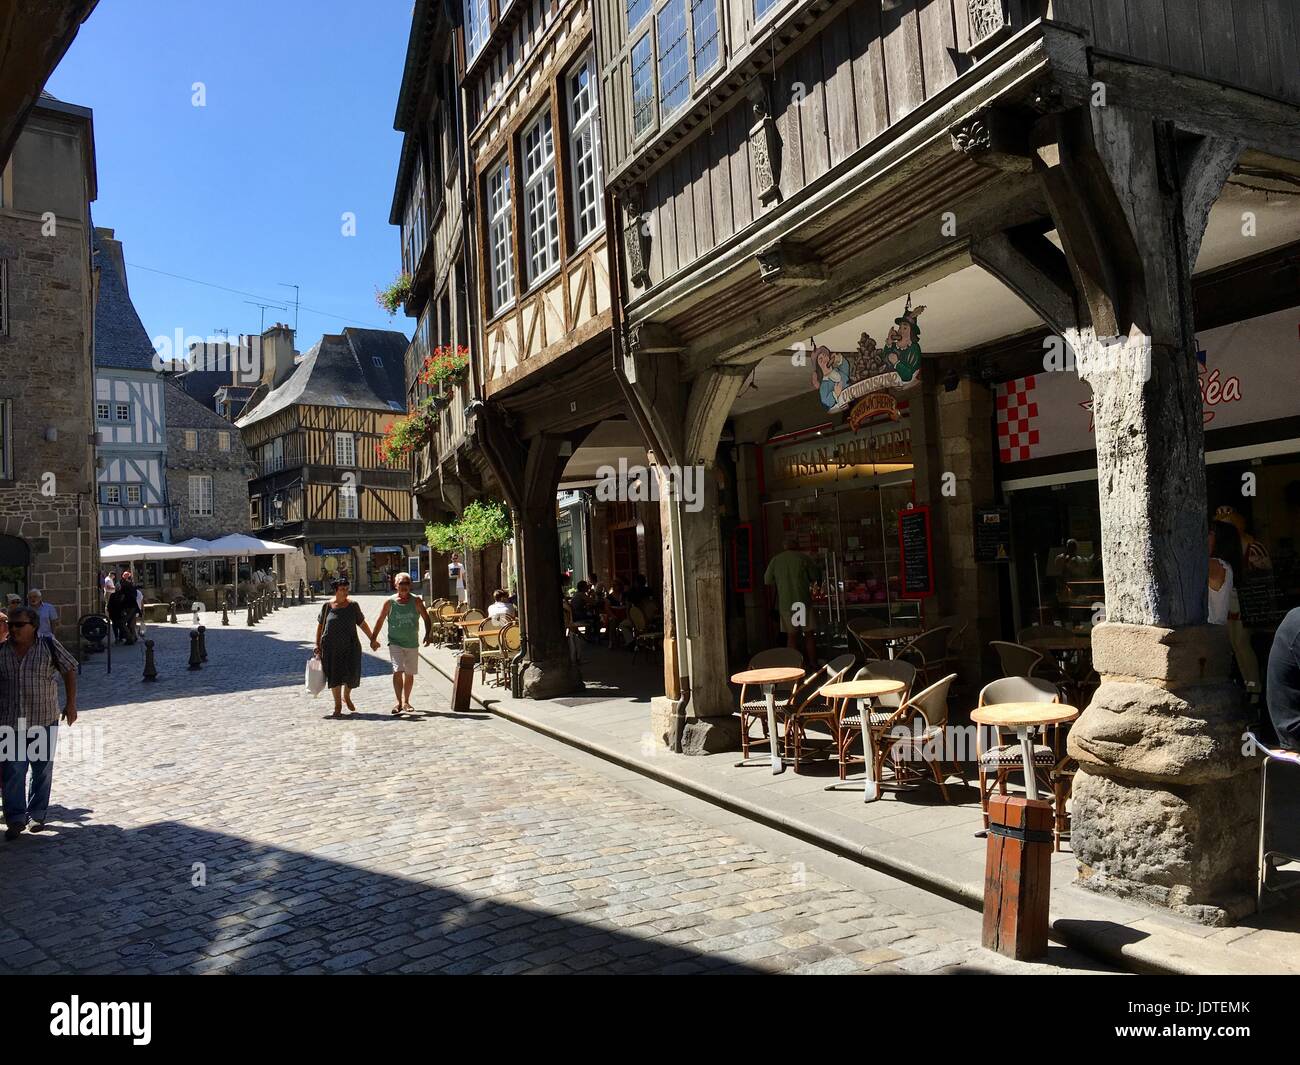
(403, 612)
(794, 573)
(29, 718)
(338, 647)
(47, 612)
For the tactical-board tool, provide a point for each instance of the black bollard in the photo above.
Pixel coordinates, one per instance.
(196, 660)
(203, 643)
(300, 592)
(150, 667)
(225, 618)
(172, 616)
(251, 618)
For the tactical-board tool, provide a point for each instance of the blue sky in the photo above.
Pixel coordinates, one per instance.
(249, 190)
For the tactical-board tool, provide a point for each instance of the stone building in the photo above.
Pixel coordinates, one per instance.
(49, 532)
(208, 469)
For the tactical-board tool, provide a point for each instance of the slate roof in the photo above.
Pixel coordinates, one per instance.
(121, 342)
(183, 411)
(340, 371)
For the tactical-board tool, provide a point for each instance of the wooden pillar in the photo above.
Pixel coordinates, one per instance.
(1163, 803)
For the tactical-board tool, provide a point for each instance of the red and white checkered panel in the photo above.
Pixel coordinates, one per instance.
(1017, 419)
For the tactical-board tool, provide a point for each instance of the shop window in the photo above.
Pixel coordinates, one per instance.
(541, 213)
(1056, 531)
(584, 153)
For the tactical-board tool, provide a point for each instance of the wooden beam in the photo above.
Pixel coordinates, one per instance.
(1036, 271)
(1205, 166)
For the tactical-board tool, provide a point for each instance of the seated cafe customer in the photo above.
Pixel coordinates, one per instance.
(1283, 686)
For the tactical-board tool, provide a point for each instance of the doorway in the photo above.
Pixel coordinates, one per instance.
(15, 560)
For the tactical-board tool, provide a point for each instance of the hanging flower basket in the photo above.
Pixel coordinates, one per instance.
(445, 367)
(394, 297)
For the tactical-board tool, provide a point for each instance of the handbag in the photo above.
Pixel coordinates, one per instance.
(315, 676)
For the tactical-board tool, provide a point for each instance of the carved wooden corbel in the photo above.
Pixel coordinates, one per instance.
(790, 264)
(764, 142)
(995, 139)
(991, 23)
(636, 235)
(650, 338)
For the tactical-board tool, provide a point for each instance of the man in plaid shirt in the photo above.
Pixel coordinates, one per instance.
(29, 718)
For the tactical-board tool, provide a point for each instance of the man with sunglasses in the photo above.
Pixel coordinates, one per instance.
(29, 718)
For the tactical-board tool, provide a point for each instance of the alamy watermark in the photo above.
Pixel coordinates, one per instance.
(632, 483)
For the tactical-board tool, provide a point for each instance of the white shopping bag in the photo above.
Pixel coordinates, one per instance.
(315, 676)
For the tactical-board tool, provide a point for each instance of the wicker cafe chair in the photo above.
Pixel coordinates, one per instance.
(444, 626)
(1016, 659)
(810, 707)
(460, 631)
(473, 641)
(869, 647)
(928, 652)
(645, 636)
(882, 717)
(927, 711)
(753, 703)
(499, 650)
(1002, 758)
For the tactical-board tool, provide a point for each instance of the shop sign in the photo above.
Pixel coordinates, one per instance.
(845, 379)
(319, 550)
(841, 455)
(1249, 372)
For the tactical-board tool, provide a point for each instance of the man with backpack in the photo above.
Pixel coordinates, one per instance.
(29, 718)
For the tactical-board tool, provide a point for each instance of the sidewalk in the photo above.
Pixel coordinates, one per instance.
(909, 834)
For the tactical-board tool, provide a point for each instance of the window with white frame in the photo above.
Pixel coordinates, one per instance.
(762, 7)
(674, 56)
(223, 441)
(476, 27)
(133, 494)
(584, 140)
(122, 412)
(200, 495)
(637, 11)
(348, 501)
(706, 43)
(191, 440)
(103, 412)
(500, 254)
(112, 494)
(541, 212)
(345, 449)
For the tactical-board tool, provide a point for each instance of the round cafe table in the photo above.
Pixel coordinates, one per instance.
(1022, 717)
(891, 635)
(867, 688)
(768, 679)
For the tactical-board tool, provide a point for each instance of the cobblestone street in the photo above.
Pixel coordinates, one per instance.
(219, 821)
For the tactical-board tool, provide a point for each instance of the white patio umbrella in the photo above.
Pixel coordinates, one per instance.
(130, 548)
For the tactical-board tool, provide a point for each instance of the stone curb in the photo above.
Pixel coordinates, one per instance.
(1151, 955)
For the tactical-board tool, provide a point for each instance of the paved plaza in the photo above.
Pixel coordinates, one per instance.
(218, 821)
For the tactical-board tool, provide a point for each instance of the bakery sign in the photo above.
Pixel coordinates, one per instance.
(1249, 372)
(841, 456)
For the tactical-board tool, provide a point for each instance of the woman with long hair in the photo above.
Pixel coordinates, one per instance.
(338, 646)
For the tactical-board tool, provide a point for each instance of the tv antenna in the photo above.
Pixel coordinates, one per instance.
(264, 306)
(284, 284)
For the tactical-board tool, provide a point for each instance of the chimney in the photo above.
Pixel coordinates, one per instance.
(112, 247)
(277, 354)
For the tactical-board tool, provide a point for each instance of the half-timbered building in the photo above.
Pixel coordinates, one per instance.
(312, 430)
(130, 415)
(960, 286)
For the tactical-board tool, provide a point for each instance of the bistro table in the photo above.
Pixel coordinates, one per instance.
(1022, 717)
(1066, 643)
(891, 635)
(768, 679)
(867, 688)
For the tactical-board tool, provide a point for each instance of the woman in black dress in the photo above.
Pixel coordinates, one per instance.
(338, 647)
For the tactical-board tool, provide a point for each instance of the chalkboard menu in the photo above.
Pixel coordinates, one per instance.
(916, 554)
(742, 558)
(992, 534)
(1260, 601)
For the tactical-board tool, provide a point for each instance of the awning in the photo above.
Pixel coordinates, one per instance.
(133, 548)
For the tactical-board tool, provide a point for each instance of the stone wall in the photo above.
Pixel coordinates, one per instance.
(48, 501)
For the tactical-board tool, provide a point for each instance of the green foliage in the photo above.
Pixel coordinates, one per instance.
(484, 523)
(394, 296)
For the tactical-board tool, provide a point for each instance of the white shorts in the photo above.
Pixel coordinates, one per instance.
(405, 659)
